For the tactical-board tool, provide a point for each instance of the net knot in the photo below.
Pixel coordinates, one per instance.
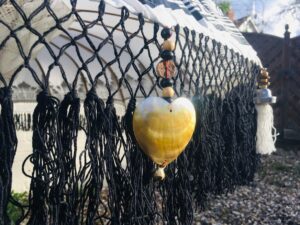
(5, 92)
(132, 104)
(92, 94)
(42, 96)
(110, 101)
(71, 96)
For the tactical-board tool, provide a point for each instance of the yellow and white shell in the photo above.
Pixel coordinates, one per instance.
(164, 129)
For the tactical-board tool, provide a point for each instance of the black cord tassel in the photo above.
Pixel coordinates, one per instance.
(141, 205)
(44, 159)
(94, 112)
(66, 191)
(8, 145)
(117, 180)
(229, 135)
(246, 143)
(200, 152)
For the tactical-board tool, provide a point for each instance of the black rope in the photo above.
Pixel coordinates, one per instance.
(110, 180)
(45, 157)
(94, 111)
(8, 144)
(66, 190)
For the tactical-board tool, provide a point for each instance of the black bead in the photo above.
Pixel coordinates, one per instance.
(166, 33)
(167, 55)
(166, 83)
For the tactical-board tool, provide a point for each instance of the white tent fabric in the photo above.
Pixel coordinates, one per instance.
(203, 16)
(42, 22)
(25, 88)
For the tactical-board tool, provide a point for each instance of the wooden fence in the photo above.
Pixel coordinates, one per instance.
(282, 58)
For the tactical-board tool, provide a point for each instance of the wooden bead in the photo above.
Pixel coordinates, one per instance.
(160, 173)
(263, 86)
(168, 45)
(264, 80)
(166, 69)
(264, 73)
(168, 92)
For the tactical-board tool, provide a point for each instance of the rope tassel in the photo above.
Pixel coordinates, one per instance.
(8, 145)
(265, 137)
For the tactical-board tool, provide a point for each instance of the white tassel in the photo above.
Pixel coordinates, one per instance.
(266, 132)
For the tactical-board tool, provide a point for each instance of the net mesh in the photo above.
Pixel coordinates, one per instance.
(109, 180)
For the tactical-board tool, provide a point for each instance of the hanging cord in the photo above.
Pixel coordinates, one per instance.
(66, 190)
(142, 204)
(8, 145)
(217, 144)
(200, 167)
(94, 112)
(229, 134)
(118, 183)
(44, 159)
(244, 145)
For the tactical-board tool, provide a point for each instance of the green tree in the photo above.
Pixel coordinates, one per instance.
(224, 6)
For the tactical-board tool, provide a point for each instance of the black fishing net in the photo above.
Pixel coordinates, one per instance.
(109, 180)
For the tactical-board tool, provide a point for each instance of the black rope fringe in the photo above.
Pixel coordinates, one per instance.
(110, 180)
(8, 145)
(45, 160)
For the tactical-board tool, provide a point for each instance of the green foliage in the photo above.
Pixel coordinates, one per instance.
(13, 211)
(280, 167)
(224, 6)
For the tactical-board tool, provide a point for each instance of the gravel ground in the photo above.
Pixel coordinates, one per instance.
(273, 198)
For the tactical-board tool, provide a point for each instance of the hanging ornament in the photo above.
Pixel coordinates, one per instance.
(266, 133)
(162, 126)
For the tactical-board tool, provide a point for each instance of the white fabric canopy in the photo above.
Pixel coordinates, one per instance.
(203, 16)
(42, 22)
(25, 88)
